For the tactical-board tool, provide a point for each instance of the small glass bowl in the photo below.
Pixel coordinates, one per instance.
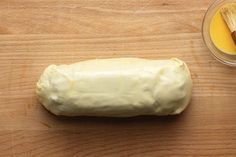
(218, 54)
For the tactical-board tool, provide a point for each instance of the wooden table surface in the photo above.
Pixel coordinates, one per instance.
(36, 33)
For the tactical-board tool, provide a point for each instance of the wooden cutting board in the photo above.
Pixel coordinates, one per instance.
(34, 34)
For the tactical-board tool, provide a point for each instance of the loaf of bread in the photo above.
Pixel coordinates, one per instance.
(121, 87)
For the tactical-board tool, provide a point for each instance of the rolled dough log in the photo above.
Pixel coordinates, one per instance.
(121, 87)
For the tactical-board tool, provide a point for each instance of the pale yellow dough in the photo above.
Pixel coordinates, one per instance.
(121, 87)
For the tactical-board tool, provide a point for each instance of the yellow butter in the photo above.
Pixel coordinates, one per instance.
(221, 35)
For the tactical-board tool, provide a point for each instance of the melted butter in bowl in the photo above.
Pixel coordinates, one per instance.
(217, 35)
(221, 35)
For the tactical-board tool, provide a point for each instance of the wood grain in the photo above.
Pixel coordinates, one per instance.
(34, 34)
